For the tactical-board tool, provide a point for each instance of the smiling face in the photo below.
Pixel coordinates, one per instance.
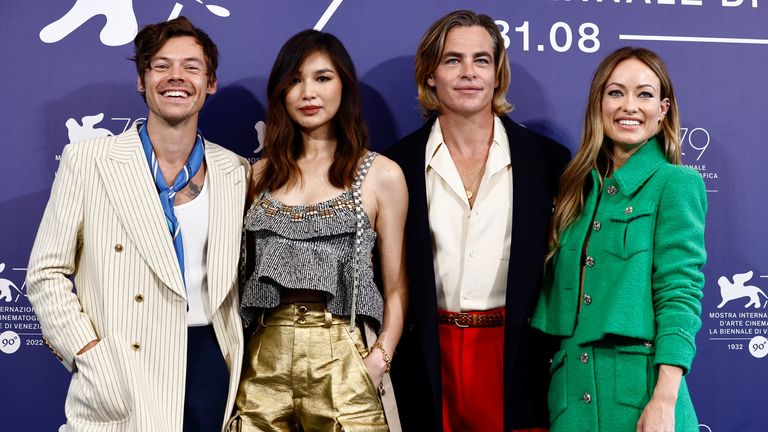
(631, 105)
(313, 98)
(465, 79)
(177, 82)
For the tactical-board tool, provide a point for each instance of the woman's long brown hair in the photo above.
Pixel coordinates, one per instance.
(283, 142)
(594, 152)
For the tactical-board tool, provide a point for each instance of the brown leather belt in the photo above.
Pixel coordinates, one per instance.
(471, 319)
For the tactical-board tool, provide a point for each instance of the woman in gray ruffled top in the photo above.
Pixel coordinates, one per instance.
(321, 202)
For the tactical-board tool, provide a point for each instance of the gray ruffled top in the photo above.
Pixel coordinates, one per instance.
(325, 246)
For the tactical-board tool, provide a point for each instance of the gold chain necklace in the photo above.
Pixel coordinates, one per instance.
(468, 189)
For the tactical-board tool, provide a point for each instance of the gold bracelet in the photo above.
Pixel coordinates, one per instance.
(387, 360)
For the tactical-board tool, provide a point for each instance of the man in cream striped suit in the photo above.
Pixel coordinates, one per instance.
(149, 224)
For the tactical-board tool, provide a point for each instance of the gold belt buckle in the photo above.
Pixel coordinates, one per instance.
(461, 315)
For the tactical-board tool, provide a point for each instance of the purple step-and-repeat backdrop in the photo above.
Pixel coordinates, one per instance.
(66, 77)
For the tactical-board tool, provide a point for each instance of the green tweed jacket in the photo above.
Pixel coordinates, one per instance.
(642, 274)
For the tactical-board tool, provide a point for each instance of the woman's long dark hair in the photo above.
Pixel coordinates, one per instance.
(283, 142)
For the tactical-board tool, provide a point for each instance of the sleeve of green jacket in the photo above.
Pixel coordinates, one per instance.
(678, 257)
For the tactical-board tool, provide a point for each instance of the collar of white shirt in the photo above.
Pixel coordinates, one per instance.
(438, 157)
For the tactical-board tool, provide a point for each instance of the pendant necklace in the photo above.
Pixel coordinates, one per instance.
(468, 188)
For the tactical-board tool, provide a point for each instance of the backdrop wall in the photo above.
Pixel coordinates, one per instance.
(65, 77)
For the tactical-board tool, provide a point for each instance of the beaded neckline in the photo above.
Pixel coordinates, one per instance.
(348, 199)
(330, 202)
(272, 207)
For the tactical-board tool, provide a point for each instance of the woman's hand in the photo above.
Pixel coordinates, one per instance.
(659, 414)
(376, 365)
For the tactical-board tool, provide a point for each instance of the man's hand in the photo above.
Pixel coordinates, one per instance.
(90, 345)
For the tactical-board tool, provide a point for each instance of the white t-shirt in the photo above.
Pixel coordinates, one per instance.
(193, 220)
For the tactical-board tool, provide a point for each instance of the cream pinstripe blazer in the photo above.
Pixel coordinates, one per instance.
(104, 224)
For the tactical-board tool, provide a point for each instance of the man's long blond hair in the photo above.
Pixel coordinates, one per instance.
(430, 51)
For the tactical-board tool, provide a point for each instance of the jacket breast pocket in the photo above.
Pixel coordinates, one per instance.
(631, 232)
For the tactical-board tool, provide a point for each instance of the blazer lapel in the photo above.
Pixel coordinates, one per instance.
(226, 186)
(138, 207)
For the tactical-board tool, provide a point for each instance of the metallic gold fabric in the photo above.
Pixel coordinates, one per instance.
(305, 371)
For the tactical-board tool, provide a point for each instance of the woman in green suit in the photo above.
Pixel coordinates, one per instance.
(623, 280)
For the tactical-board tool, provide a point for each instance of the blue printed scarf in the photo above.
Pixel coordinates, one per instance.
(168, 194)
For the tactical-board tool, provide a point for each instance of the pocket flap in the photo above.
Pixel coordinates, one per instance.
(557, 361)
(644, 348)
(633, 212)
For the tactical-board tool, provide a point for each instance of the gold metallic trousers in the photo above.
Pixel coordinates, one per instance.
(304, 371)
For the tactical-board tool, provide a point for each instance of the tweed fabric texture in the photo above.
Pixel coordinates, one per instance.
(647, 251)
(311, 247)
(604, 387)
(640, 299)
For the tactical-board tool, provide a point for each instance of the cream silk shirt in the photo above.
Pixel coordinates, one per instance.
(470, 245)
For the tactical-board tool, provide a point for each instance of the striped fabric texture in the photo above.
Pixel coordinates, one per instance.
(167, 193)
(105, 226)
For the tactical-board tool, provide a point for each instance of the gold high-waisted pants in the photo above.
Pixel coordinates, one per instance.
(304, 371)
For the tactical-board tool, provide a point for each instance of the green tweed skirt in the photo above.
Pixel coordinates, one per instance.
(604, 387)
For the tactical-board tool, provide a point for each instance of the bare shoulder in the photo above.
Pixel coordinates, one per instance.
(257, 169)
(386, 173)
(386, 181)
